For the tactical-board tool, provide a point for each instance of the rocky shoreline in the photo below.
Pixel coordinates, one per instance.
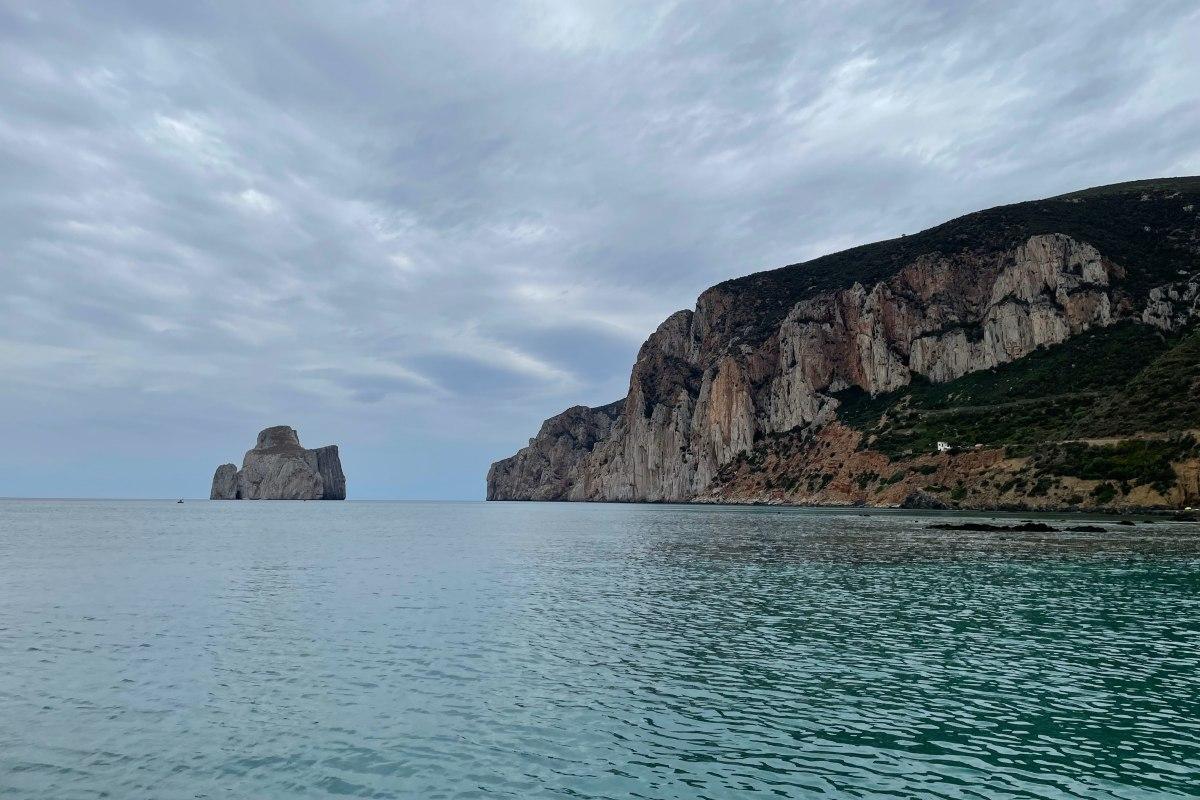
(1153, 512)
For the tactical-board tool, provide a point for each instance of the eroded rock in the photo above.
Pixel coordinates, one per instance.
(225, 483)
(702, 391)
(279, 468)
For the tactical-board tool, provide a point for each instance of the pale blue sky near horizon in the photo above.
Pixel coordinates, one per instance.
(416, 230)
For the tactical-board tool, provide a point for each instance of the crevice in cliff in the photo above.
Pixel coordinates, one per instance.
(762, 356)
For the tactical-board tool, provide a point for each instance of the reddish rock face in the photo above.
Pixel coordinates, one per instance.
(762, 356)
(700, 395)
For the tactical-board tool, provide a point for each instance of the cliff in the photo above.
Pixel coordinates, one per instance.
(278, 468)
(748, 397)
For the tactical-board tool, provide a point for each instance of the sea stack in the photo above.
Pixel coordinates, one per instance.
(278, 468)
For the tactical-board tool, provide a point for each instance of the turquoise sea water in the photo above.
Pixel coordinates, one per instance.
(303, 650)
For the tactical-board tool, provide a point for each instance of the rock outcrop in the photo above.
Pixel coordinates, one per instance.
(548, 465)
(278, 468)
(764, 355)
(225, 483)
(1172, 306)
(329, 465)
(695, 402)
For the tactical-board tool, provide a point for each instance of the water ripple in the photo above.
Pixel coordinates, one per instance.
(468, 650)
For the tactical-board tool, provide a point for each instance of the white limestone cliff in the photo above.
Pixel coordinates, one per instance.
(700, 393)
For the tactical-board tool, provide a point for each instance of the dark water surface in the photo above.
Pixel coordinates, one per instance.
(297, 650)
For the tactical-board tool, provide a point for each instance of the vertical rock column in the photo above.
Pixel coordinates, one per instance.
(278, 468)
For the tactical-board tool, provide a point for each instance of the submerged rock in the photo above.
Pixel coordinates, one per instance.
(922, 500)
(1024, 527)
(279, 468)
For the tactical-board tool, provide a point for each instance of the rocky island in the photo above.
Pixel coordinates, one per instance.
(278, 468)
(1043, 355)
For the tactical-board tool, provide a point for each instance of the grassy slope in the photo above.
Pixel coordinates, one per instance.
(1165, 396)
(1113, 382)
(1045, 395)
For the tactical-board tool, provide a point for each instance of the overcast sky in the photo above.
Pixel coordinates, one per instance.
(418, 229)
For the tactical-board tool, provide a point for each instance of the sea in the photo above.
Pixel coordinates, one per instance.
(154, 649)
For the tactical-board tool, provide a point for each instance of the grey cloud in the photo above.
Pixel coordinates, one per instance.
(448, 221)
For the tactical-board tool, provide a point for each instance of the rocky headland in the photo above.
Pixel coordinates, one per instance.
(278, 468)
(1038, 356)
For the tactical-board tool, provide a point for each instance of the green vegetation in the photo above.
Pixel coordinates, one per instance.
(1167, 185)
(865, 478)
(916, 431)
(1119, 381)
(1113, 382)
(1049, 395)
(1165, 396)
(1041, 488)
(1130, 462)
(1094, 360)
(1142, 226)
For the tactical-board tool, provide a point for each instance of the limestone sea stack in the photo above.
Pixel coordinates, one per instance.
(278, 468)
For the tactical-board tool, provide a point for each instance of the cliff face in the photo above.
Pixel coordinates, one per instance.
(546, 469)
(765, 355)
(329, 466)
(278, 468)
(225, 483)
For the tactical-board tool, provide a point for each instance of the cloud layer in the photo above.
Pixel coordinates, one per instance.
(418, 229)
